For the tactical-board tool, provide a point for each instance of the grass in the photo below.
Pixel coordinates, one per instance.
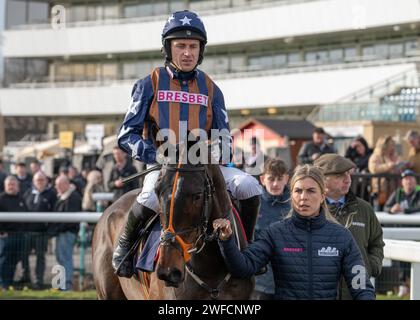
(51, 294)
(391, 297)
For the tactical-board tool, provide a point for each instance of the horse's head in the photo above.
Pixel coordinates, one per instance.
(184, 193)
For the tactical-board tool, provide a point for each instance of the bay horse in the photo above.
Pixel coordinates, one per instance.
(190, 264)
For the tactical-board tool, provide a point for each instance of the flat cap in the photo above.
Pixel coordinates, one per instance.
(332, 163)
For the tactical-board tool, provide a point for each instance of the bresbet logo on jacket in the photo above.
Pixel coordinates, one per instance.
(328, 252)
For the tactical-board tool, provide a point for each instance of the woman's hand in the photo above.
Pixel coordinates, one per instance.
(224, 226)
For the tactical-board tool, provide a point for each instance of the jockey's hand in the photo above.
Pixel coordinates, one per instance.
(224, 226)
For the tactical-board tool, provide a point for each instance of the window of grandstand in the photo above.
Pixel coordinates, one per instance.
(76, 13)
(336, 55)
(279, 60)
(368, 52)
(92, 12)
(237, 63)
(23, 12)
(137, 69)
(350, 54)
(161, 7)
(92, 71)
(19, 12)
(137, 66)
(132, 10)
(396, 50)
(63, 72)
(315, 57)
(200, 5)
(381, 50)
(110, 71)
(111, 11)
(294, 58)
(25, 70)
(79, 72)
(411, 47)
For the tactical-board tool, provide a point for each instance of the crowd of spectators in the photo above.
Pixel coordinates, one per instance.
(27, 188)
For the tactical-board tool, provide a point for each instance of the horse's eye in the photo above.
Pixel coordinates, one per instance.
(197, 196)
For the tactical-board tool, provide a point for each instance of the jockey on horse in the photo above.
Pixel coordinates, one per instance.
(169, 95)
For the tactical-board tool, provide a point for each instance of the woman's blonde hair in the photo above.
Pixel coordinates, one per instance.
(382, 144)
(315, 173)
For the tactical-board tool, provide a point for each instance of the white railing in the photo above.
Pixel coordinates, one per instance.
(400, 250)
(410, 219)
(402, 233)
(246, 72)
(91, 217)
(249, 5)
(408, 251)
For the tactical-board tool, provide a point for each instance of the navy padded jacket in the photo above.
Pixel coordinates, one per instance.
(308, 256)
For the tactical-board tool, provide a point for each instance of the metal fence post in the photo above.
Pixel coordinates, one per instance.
(82, 234)
(415, 281)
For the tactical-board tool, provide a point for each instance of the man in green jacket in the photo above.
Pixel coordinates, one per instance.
(352, 212)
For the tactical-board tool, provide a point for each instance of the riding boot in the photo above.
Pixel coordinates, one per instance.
(249, 212)
(137, 218)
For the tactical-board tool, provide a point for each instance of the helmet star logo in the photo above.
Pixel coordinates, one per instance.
(171, 18)
(185, 21)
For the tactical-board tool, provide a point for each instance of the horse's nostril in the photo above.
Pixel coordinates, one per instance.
(175, 275)
(172, 277)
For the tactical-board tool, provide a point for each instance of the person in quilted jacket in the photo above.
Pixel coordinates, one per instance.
(308, 250)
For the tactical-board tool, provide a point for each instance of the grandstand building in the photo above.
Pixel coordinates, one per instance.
(334, 62)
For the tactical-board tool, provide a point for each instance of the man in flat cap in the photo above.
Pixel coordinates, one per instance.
(353, 213)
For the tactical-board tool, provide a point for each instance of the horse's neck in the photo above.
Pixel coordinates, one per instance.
(209, 262)
(222, 205)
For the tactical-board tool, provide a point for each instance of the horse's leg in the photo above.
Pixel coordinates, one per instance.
(106, 282)
(132, 289)
(107, 285)
(158, 290)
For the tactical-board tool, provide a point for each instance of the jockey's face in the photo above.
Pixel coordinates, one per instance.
(185, 53)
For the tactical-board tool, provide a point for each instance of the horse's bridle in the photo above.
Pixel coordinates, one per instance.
(169, 236)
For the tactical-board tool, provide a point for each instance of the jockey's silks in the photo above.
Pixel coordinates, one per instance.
(176, 101)
(167, 99)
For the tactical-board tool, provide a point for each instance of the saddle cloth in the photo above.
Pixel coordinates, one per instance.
(146, 260)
